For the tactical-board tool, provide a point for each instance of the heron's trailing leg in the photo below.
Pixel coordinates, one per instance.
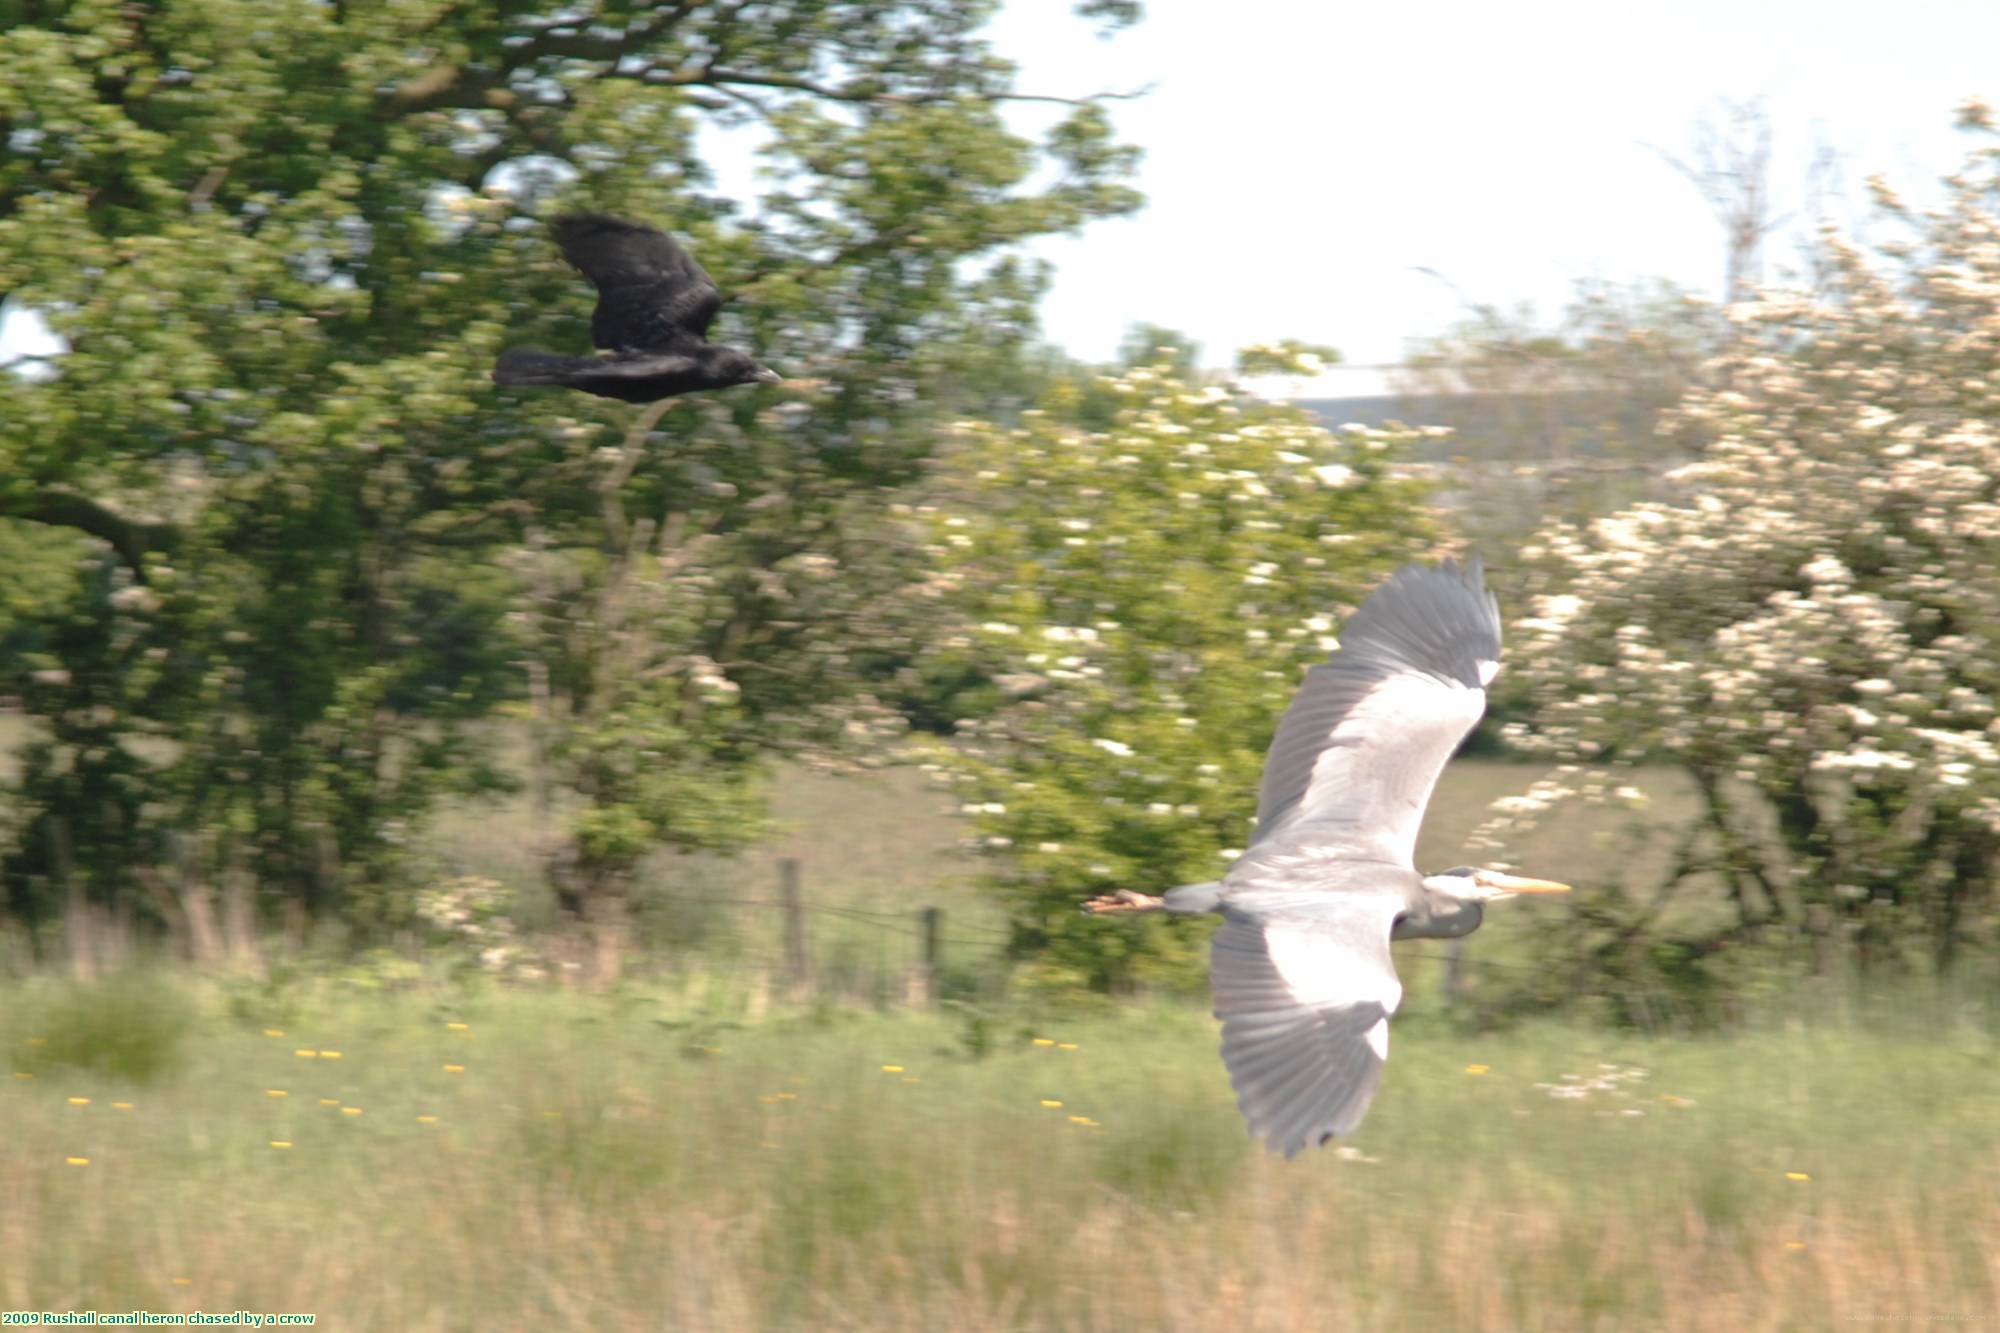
(1125, 900)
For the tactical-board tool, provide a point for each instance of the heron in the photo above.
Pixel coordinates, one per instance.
(1300, 969)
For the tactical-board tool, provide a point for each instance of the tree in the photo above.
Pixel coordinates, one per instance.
(284, 242)
(1143, 599)
(1560, 419)
(1809, 628)
(1731, 167)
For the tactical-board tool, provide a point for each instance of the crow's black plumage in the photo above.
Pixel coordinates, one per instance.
(654, 306)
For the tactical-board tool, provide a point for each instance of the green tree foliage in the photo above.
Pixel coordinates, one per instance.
(1143, 599)
(1810, 626)
(284, 242)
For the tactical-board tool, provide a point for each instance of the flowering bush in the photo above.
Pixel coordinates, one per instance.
(1810, 627)
(1145, 597)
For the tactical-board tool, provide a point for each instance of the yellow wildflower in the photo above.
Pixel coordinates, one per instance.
(1065, 1045)
(329, 1055)
(454, 1069)
(1476, 1070)
(1045, 1041)
(1052, 1105)
(1797, 1175)
(281, 1143)
(305, 1053)
(121, 1106)
(350, 1110)
(892, 1069)
(427, 1120)
(273, 1032)
(459, 1027)
(77, 1161)
(79, 1101)
(276, 1092)
(1795, 1245)
(329, 1101)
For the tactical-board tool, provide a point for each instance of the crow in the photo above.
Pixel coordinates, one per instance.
(654, 306)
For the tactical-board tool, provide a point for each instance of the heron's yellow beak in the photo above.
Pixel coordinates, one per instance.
(1520, 884)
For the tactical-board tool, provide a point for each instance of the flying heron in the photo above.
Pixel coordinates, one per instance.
(1301, 973)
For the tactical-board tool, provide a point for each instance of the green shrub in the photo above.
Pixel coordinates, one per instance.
(130, 1026)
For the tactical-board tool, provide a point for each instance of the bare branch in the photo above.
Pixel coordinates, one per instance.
(1731, 170)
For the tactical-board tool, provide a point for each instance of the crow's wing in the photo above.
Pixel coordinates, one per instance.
(577, 372)
(650, 292)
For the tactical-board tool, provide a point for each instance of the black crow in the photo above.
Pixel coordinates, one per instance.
(654, 306)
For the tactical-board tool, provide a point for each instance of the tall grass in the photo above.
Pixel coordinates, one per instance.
(597, 1160)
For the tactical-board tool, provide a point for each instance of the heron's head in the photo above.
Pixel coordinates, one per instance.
(1481, 885)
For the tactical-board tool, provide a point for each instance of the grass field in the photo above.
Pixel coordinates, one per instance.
(593, 1161)
(660, 1158)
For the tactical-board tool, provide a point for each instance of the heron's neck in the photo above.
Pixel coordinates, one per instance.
(1438, 916)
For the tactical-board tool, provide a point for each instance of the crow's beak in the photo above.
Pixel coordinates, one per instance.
(766, 375)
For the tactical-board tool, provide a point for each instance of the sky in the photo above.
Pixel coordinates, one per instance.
(1304, 159)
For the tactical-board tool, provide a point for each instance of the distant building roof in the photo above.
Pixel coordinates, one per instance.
(1334, 382)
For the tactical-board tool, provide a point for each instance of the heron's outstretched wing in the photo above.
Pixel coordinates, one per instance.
(650, 292)
(1354, 760)
(1304, 992)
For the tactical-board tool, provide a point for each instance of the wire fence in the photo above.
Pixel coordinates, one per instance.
(801, 961)
(800, 949)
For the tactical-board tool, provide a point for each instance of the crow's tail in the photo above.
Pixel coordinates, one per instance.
(520, 366)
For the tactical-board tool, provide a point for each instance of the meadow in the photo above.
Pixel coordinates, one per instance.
(423, 1149)
(454, 1159)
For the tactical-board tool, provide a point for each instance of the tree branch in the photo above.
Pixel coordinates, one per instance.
(132, 538)
(465, 85)
(1741, 860)
(713, 76)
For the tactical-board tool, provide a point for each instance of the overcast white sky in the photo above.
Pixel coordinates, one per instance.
(1303, 158)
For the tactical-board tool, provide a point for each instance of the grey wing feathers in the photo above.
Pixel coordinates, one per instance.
(650, 292)
(1304, 997)
(1360, 748)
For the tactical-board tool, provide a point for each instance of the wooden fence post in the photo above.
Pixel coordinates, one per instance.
(798, 955)
(922, 987)
(933, 953)
(1454, 972)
